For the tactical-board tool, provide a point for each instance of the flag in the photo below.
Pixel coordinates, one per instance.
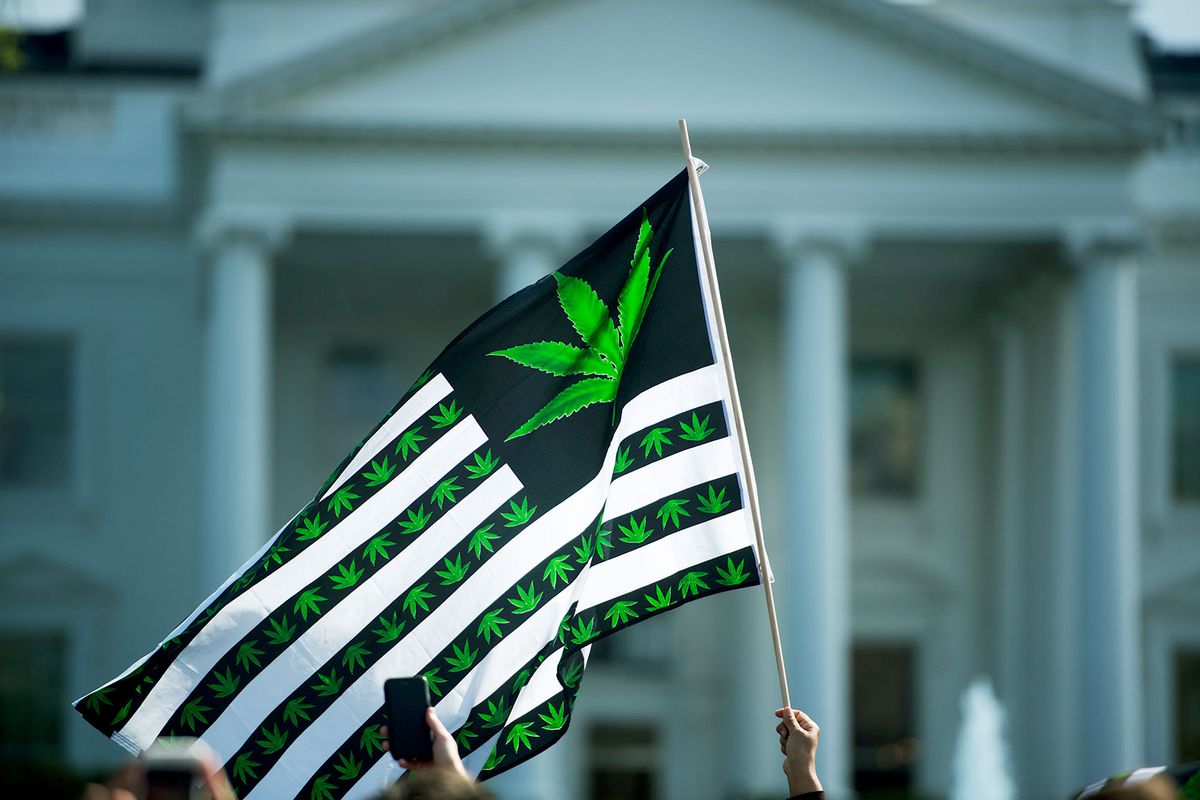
(567, 467)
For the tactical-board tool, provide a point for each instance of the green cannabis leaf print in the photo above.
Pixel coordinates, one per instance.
(606, 344)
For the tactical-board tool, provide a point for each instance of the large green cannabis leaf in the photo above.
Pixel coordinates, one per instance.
(606, 344)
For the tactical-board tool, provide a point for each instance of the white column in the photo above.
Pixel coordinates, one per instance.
(526, 254)
(813, 573)
(237, 339)
(1110, 643)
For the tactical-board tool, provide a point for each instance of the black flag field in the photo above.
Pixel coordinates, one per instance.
(566, 468)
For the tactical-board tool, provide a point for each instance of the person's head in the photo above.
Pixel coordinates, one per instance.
(434, 783)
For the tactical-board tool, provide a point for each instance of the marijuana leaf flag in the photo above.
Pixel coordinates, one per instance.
(566, 468)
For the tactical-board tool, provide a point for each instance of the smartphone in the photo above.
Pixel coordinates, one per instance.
(174, 769)
(408, 732)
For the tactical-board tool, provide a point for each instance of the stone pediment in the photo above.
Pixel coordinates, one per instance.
(835, 68)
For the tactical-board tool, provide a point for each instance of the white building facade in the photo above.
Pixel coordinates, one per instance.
(962, 281)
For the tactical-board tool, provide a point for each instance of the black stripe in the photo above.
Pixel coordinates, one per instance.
(513, 753)
(108, 708)
(672, 435)
(373, 641)
(263, 643)
(577, 630)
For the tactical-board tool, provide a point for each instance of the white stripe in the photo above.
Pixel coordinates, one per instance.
(677, 472)
(483, 590)
(227, 626)
(334, 630)
(421, 401)
(541, 687)
(480, 592)
(666, 556)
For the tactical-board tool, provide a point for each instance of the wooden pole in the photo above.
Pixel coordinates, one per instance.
(710, 271)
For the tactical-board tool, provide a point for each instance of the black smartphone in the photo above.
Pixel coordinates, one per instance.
(408, 732)
(174, 770)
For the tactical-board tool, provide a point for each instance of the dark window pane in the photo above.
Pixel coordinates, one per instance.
(1185, 428)
(35, 412)
(646, 645)
(884, 426)
(885, 735)
(624, 762)
(31, 695)
(361, 386)
(1187, 704)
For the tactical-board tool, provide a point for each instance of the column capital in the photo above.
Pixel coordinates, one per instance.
(264, 229)
(841, 241)
(555, 237)
(1089, 243)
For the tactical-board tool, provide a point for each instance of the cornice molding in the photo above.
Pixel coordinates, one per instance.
(843, 242)
(1088, 244)
(824, 140)
(266, 229)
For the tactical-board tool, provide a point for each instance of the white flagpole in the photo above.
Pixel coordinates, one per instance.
(710, 271)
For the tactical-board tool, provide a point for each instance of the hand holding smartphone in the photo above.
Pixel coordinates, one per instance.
(406, 700)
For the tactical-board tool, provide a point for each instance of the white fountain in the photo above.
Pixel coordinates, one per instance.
(981, 766)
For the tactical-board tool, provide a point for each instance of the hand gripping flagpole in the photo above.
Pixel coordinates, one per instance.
(710, 271)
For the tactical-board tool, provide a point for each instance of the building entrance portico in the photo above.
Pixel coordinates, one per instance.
(904, 286)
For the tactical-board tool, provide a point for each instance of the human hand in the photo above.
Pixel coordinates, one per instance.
(798, 736)
(445, 751)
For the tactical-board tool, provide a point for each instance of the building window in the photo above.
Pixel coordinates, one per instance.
(884, 427)
(624, 761)
(1187, 704)
(647, 644)
(31, 695)
(884, 712)
(361, 386)
(1185, 428)
(36, 388)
